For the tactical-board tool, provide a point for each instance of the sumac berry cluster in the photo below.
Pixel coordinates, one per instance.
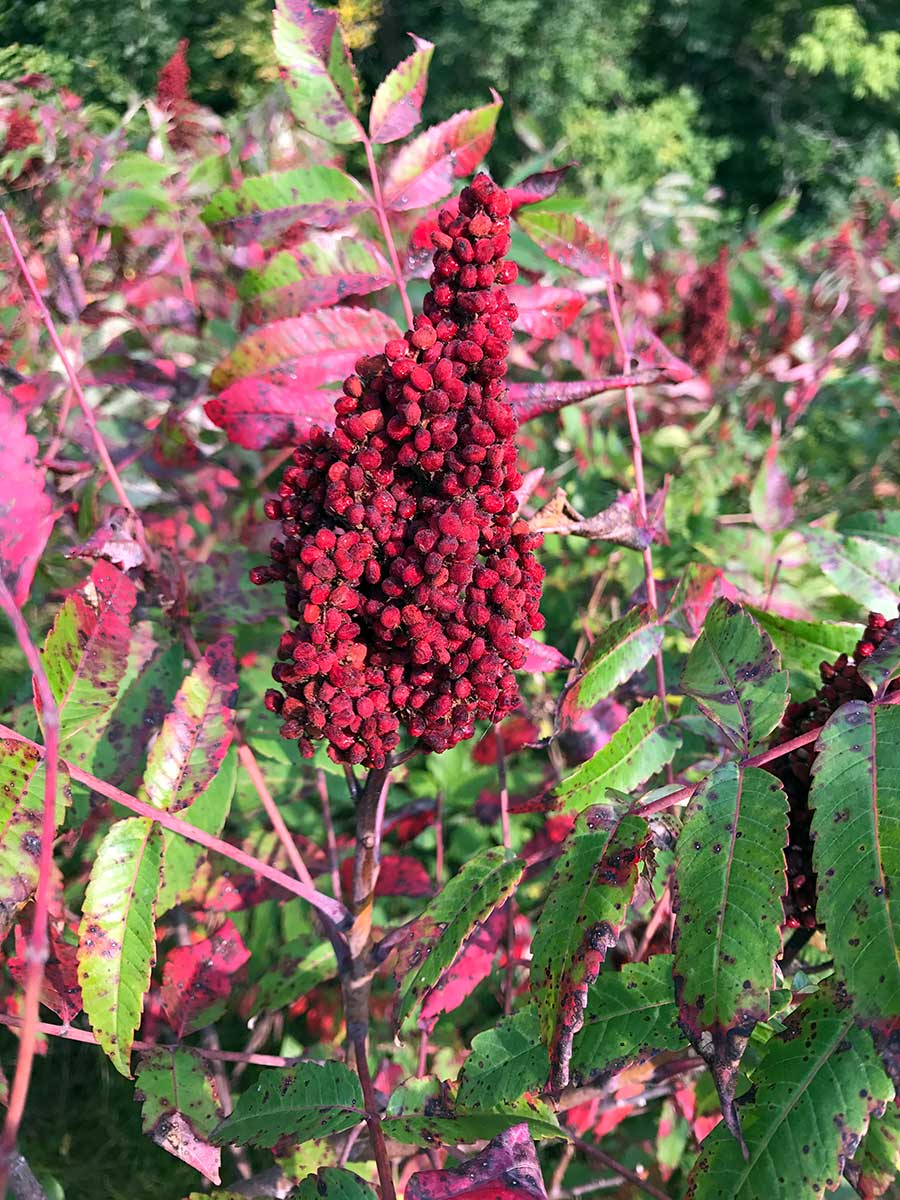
(841, 682)
(704, 328)
(410, 577)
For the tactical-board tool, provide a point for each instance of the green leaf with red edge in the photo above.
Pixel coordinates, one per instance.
(434, 939)
(86, 658)
(545, 311)
(315, 275)
(882, 666)
(729, 880)
(855, 795)
(507, 1169)
(423, 171)
(197, 978)
(814, 1091)
(568, 240)
(26, 517)
(636, 751)
(876, 1164)
(334, 1183)
(617, 653)
(306, 351)
(116, 938)
(318, 77)
(22, 781)
(196, 734)
(866, 570)
(505, 1062)
(584, 911)
(263, 206)
(309, 1100)
(180, 1106)
(734, 673)
(397, 103)
(630, 1016)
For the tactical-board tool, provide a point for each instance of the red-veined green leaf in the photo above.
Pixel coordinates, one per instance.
(545, 311)
(434, 939)
(635, 752)
(116, 938)
(617, 653)
(196, 734)
(855, 795)
(316, 275)
(813, 1093)
(310, 1100)
(568, 240)
(803, 645)
(86, 657)
(25, 508)
(424, 170)
(180, 1106)
(21, 820)
(397, 103)
(318, 76)
(585, 909)
(734, 673)
(262, 206)
(729, 880)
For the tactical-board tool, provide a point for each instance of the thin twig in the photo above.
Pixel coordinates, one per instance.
(606, 1160)
(247, 759)
(387, 234)
(330, 839)
(637, 458)
(37, 946)
(333, 909)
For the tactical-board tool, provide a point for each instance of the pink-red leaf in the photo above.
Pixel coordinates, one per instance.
(398, 875)
(259, 414)
(397, 104)
(537, 187)
(507, 1169)
(59, 990)
(545, 311)
(196, 734)
(472, 965)
(542, 657)
(570, 241)
(198, 977)
(423, 171)
(25, 508)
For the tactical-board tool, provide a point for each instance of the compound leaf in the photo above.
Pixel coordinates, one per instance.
(310, 1100)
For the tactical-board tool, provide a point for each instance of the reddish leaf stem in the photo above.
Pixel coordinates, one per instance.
(387, 233)
(248, 761)
(373, 1121)
(87, 412)
(637, 458)
(333, 909)
(37, 947)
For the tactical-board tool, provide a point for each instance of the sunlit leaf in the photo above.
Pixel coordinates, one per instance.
(866, 570)
(620, 650)
(568, 240)
(397, 103)
(262, 206)
(309, 47)
(310, 1100)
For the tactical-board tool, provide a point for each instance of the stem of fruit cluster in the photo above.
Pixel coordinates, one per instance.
(36, 950)
(637, 458)
(74, 382)
(333, 909)
(387, 233)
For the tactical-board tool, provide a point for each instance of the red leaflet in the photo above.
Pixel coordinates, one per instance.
(472, 965)
(423, 171)
(542, 657)
(397, 104)
(260, 414)
(60, 991)
(545, 311)
(113, 541)
(516, 732)
(399, 875)
(507, 1170)
(540, 186)
(232, 893)
(198, 976)
(25, 516)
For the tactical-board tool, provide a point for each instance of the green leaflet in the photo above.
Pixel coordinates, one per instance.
(181, 1106)
(420, 1112)
(630, 1015)
(300, 966)
(505, 1062)
(635, 752)
(620, 650)
(586, 905)
(116, 942)
(729, 880)
(803, 645)
(436, 937)
(815, 1090)
(734, 673)
(22, 782)
(866, 570)
(856, 825)
(334, 1183)
(316, 195)
(310, 1100)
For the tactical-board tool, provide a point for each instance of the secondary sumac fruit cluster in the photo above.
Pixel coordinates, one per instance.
(841, 682)
(409, 576)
